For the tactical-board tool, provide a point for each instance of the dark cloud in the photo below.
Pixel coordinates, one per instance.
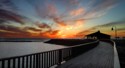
(88, 31)
(42, 25)
(2, 21)
(112, 24)
(58, 21)
(14, 35)
(13, 29)
(123, 32)
(8, 15)
(32, 29)
(121, 29)
(13, 32)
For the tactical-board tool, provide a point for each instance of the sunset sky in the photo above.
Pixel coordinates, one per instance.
(60, 18)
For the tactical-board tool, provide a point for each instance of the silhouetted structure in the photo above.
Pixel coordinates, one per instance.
(98, 35)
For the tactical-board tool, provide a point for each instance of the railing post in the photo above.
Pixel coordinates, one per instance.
(27, 62)
(14, 62)
(18, 62)
(30, 61)
(37, 59)
(60, 57)
(70, 55)
(9, 63)
(23, 62)
(3, 63)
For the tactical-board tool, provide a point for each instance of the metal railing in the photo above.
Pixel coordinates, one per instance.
(116, 57)
(46, 59)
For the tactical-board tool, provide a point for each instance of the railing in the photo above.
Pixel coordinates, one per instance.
(46, 59)
(116, 58)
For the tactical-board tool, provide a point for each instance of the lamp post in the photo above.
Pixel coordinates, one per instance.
(115, 28)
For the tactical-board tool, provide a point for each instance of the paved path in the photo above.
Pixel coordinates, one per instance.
(100, 57)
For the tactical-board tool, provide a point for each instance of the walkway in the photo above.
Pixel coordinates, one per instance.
(100, 57)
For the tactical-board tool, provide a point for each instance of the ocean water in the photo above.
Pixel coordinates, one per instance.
(10, 49)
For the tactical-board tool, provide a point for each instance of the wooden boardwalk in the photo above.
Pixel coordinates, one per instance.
(100, 57)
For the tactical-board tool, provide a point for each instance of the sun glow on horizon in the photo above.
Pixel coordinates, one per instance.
(67, 31)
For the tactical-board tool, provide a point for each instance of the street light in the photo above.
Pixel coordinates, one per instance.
(114, 28)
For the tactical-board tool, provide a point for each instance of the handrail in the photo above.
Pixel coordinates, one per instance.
(46, 59)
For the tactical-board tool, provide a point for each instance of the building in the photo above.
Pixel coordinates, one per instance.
(98, 35)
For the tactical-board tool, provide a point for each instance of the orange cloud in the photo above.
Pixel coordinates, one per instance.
(79, 22)
(59, 22)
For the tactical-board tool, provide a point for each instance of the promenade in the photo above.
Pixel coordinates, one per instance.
(101, 56)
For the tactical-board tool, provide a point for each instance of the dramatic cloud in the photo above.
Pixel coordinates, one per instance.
(88, 31)
(66, 16)
(32, 29)
(112, 24)
(12, 29)
(42, 25)
(17, 32)
(107, 28)
(59, 21)
(64, 11)
(8, 15)
(121, 29)
(2, 21)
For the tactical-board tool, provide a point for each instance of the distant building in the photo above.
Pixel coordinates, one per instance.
(98, 35)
